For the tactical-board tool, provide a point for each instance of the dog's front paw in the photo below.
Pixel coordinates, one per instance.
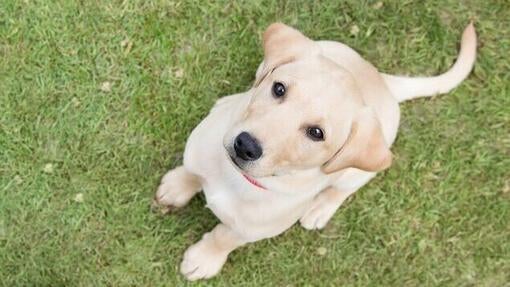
(176, 189)
(322, 209)
(202, 260)
(318, 217)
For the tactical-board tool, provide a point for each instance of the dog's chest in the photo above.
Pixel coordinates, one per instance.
(252, 212)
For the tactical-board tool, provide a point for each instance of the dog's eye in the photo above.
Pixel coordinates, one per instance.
(278, 89)
(315, 133)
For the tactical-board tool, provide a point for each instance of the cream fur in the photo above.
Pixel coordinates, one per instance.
(295, 192)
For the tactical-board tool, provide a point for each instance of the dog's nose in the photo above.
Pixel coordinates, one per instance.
(247, 147)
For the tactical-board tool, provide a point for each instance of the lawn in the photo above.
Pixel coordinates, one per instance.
(97, 99)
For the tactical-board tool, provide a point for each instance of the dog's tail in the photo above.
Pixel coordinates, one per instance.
(406, 88)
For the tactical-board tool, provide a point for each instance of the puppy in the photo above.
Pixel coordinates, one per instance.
(315, 126)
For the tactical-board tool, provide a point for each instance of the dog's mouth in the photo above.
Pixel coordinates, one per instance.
(250, 179)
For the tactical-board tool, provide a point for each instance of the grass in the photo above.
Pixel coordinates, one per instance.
(97, 99)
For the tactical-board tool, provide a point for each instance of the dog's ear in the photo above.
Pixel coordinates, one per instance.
(365, 148)
(283, 44)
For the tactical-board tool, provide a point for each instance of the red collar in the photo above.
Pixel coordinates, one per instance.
(253, 181)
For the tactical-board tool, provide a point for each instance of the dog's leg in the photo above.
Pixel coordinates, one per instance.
(323, 207)
(177, 187)
(205, 258)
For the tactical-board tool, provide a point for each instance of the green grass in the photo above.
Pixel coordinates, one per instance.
(439, 217)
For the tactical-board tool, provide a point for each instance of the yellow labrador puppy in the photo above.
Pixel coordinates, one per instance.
(314, 128)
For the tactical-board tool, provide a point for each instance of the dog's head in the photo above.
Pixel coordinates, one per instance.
(305, 112)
